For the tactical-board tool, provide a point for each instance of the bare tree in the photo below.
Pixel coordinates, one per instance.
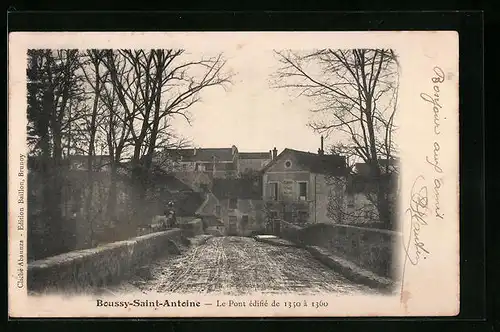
(52, 86)
(152, 87)
(117, 121)
(91, 66)
(55, 94)
(156, 85)
(95, 77)
(355, 97)
(115, 102)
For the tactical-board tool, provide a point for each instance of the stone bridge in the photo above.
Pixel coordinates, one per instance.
(239, 265)
(177, 261)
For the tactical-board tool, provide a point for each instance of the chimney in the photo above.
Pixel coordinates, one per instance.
(271, 154)
(320, 150)
(275, 153)
(194, 152)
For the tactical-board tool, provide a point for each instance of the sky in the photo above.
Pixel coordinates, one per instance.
(250, 114)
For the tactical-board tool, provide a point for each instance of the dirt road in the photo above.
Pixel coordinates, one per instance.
(237, 265)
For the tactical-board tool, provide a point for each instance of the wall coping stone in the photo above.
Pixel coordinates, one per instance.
(67, 258)
(368, 229)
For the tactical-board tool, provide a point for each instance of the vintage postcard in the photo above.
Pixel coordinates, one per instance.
(233, 174)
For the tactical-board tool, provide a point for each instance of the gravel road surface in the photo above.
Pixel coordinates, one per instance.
(239, 265)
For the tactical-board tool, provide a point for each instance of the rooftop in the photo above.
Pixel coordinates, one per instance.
(315, 163)
(254, 155)
(202, 154)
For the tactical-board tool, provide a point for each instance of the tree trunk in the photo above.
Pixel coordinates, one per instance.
(156, 114)
(140, 183)
(90, 157)
(112, 197)
(52, 175)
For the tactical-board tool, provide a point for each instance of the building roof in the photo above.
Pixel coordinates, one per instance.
(202, 154)
(254, 155)
(315, 163)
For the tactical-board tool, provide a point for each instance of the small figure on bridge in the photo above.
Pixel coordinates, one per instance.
(170, 218)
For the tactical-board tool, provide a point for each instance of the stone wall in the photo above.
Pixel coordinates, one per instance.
(82, 270)
(372, 249)
(82, 218)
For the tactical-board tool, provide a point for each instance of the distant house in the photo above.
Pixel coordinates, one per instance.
(297, 186)
(240, 205)
(215, 162)
(253, 161)
(219, 162)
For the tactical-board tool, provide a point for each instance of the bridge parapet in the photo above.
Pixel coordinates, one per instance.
(82, 270)
(369, 248)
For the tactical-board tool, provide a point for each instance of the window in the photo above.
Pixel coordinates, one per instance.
(217, 210)
(233, 203)
(209, 167)
(273, 194)
(287, 216)
(273, 214)
(288, 164)
(302, 191)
